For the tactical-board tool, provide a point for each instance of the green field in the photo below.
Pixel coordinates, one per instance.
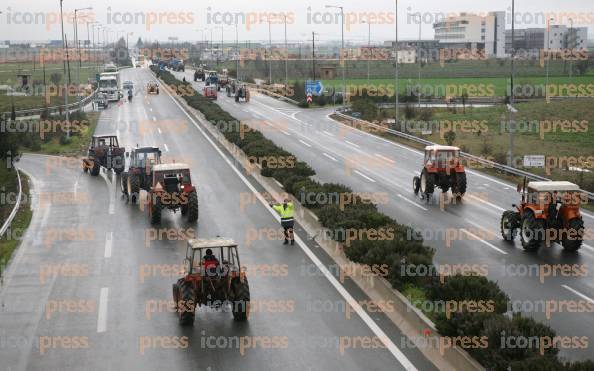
(8, 76)
(484, 86)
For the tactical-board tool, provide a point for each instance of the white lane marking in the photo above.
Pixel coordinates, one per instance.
(286, 133)
(483, 241)
(578, 293)
(352, 144)
(411, 202)
(154, 118)
(330, 157)
(588, 247)
(102, 316)
(159, 130)
(150, 109)
(166, 148)
(108, 244)
(268, 123)
(385, 158)
(341, 290)
(587, 215)
(328, 133)
(486, 203)
(364, 176)
(305, 143)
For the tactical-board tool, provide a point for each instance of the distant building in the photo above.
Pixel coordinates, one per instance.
(473, 32)
(557, 37)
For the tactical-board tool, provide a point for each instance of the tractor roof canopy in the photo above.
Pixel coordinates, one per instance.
(105, 136)
(441, 148)
(171, 167)
(211, 243)
(147, 150)
(561, 186)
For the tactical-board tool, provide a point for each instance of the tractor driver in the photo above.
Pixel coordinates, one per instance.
(210, 263)
(554, 207)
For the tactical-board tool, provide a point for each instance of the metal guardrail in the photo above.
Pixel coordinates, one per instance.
(15, 209)
(53, 109)
(487, 163)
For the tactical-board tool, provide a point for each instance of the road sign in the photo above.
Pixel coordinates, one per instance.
(534, 161)
(309, 99)
(97, 77)
(314, 87)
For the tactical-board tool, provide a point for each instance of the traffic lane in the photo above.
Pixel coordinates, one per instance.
(55, 258)
(329, 326)
(560, 288)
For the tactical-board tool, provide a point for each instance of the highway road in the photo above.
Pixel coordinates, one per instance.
(368, 163)
(89, 286)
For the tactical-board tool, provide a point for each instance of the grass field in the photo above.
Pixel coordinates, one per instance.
(8, 76)
(484, 86)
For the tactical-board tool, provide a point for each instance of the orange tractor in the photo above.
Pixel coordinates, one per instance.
(441, 168)
(172, 189)
(104, 151)
(549, 211)
(213, 279)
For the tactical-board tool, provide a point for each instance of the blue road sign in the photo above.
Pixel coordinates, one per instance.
(314, 87)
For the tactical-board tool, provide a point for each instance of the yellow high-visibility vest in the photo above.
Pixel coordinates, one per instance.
(285, 213)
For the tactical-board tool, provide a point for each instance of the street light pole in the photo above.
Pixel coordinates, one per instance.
(396, 58)
(269, 53)
(548, 58)
(65, 82)
(77, 45)
(419, 60)
(369, 49)
(512, 124)
(286, 60)
(571, 59)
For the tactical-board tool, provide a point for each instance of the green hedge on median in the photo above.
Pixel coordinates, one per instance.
(404, 249)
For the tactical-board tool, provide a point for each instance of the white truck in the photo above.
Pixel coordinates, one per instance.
(109, 84)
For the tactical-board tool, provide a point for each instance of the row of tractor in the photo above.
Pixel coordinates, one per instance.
(147, 181)
(213, 275)
(214, 83)
(549, 211)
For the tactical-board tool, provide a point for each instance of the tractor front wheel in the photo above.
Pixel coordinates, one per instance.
(193, 207)
(509, 225)
(576, 230)
(532, 231)
(241, 300)
(156, 210)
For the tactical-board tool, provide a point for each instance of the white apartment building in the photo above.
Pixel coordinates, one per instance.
(474, 32)
(562, 37)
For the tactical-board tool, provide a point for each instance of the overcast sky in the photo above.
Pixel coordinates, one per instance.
(36, 19)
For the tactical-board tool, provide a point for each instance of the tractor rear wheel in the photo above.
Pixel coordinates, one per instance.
(124, 183)
(427, 183)
(509, 225)
(459, 187)
(118, 164)
(188, 307)
(416, 185)
(532, 231)
(133, 187)
(156, 211)
(193, 207)
(575, 242)
(241, 300)
(95, 169)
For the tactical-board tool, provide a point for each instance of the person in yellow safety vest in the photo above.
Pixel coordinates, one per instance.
(286, 211)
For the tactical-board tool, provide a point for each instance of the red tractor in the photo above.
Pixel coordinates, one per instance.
(172, 189)
(549, 211)
(140, 171)
(105, 152)
(212, 279)
(210, 92)
(441, 168)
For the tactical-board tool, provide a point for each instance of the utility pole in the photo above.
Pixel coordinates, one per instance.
(419, 60)
(548, 58)
(342, 52)
(572, 47)
(65, 46)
